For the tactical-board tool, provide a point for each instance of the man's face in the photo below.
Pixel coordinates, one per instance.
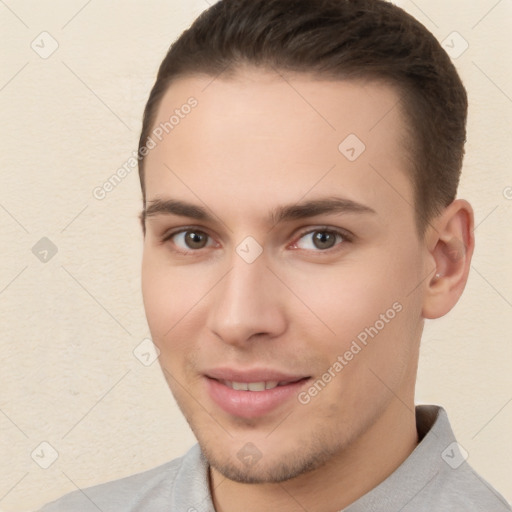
(328, 316)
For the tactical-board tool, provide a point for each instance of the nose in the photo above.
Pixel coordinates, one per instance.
(247, 304)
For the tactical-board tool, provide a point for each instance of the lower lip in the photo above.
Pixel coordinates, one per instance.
(251, 404)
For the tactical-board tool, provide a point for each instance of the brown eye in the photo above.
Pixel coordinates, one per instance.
(320, 240)
(195, 239)
(324, 239)
(190, 239)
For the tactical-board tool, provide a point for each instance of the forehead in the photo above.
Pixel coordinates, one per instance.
(262, 137)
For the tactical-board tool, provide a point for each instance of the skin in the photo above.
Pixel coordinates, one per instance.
(258, 141)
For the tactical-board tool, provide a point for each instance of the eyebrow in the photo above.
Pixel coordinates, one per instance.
(301, 210)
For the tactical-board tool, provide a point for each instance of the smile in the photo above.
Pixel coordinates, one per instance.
(253, 399)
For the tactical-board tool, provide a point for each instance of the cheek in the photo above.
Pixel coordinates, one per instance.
(365, 298)
(346, 300)
(170, 296)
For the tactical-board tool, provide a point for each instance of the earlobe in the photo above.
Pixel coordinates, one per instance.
(451, 251)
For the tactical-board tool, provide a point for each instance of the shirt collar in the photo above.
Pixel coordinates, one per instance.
(419, 470)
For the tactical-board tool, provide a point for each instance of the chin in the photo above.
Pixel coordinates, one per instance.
(250, 466)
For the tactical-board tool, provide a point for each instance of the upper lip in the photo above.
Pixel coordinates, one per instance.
(252, 375)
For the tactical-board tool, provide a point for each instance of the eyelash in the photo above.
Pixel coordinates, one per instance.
(345, 235)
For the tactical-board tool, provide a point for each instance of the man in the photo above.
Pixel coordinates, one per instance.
(299, 168)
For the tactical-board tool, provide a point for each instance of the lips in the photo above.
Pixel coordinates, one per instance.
(252, 393)
(252, 375)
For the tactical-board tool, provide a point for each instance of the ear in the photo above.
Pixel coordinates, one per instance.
(450, 243)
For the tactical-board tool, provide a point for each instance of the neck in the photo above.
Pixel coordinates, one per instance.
(338, 483)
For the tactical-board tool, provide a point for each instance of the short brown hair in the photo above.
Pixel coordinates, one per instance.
(337, 39)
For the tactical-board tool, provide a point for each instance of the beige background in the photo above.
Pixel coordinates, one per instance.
(69, 326)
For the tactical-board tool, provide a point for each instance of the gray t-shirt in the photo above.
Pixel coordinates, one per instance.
(435, 477)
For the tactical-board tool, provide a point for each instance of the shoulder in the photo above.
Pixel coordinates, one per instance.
(124, 494)
(450, 483)
(464, 489)
(435, 476)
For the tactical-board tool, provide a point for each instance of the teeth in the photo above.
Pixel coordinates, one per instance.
(251, 386)
(256, 386)
(239, 386)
